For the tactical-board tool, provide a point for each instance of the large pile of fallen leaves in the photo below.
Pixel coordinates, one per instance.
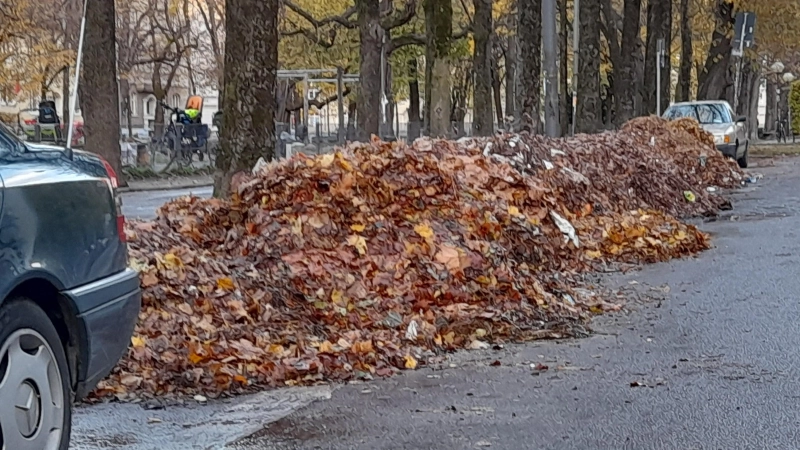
(383, 256)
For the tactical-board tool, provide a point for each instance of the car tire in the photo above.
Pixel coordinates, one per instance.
(35, 401)
(743, 160)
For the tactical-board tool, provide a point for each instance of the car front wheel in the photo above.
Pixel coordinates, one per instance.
(743, 160)
(35, 407)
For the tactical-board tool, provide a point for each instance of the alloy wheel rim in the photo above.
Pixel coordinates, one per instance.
(32, 403)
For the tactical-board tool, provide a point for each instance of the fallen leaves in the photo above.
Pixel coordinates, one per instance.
(382, 256)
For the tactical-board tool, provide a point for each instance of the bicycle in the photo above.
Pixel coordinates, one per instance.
(182, 139)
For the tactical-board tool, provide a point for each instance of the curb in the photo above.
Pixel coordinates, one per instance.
(164, 188)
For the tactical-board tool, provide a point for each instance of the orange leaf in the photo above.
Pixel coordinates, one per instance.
(362, 347)
(194, 357)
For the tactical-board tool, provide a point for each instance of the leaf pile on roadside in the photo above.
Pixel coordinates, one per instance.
(381, 257)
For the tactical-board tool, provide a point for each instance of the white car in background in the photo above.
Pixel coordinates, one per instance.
(716, 117)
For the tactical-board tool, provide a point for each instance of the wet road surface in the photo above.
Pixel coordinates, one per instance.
(143, 205)
(710, 363)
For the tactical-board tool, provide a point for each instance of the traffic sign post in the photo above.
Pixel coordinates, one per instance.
(743, 38)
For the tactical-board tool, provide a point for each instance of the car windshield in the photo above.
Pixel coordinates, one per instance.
(704, 113)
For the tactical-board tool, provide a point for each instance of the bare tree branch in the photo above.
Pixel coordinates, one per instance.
(317, 103)
(343, 19)
(391, 21)
(419, 39)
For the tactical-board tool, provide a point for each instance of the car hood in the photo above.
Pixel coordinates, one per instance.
(717, 128)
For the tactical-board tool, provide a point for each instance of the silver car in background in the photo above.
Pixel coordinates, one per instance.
(716, 117)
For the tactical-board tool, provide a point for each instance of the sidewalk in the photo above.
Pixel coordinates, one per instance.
(163, 184)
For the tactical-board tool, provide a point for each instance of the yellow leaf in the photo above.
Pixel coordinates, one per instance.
(357, 227)
(170, 261)
(345, 165)
(424, 230)
(138, 341)
(226, 284)
(513, 210)
(276, 349)
(359, 243)
(438, 339)
(411, 363)
(326, 160)
(297, 226)
(326, 347)
(594, 254)
(336, 296)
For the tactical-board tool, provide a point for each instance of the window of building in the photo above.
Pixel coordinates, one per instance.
(133, 103)
(150, 107)
(176, 101)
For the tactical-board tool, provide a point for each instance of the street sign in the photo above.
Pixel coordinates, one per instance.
(744, 33)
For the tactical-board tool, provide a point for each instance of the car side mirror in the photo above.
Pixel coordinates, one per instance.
(741, 119)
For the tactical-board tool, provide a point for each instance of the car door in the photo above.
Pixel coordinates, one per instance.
(741, 128)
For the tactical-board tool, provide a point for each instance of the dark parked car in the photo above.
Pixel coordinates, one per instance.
(68, 301)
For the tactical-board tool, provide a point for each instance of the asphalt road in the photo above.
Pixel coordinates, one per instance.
(143, 205)
(714, 365)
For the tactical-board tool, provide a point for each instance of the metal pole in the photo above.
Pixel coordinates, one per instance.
(73, 99)
(340, 102)
(736, 87)
(576, 34)
(383, 87)
(659, 49)
(305, 101)
(550, 40)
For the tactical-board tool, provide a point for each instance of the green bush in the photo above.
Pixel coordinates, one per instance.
(794, 104)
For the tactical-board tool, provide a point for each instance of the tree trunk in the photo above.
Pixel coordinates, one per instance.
(566, 97)
(529, 31)
(352, 113)
(482, 121)
(714, 81)
(99, 93)
(683, 91)
(43, 85)
(251, 65)
(497, 90)
(66, 114)
(752, 106)
(588, 116)
(511, 58)
(659, 26)
(630, 55)
(414, 121)
(439, 28)
(771, 113)
(389, 109)
(746, 79)
(369, 101)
